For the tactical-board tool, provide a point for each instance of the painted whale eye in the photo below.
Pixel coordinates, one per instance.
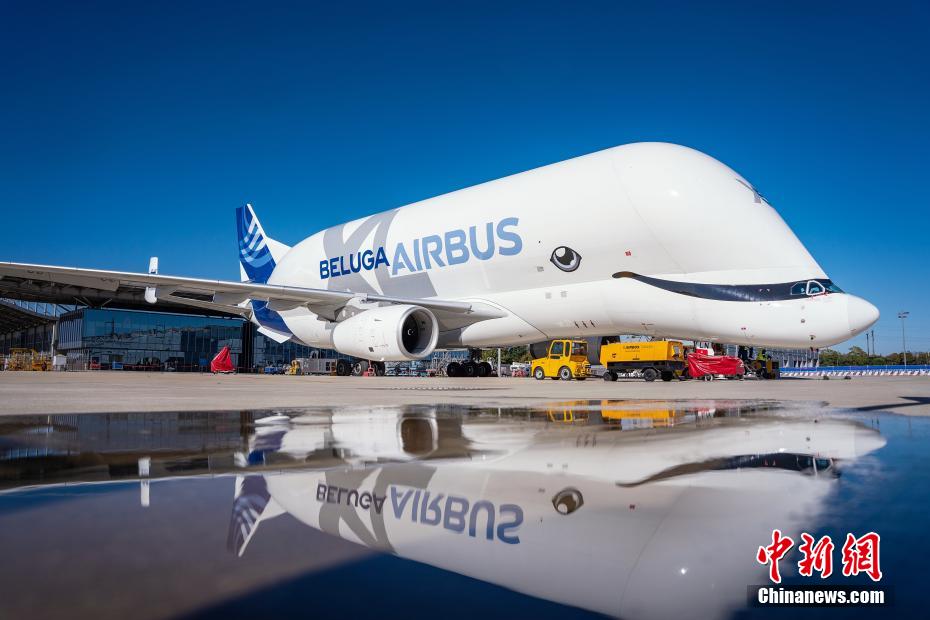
(565, 258)
(567, 501)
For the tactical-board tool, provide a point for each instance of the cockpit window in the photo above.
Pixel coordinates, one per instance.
(814, 288)
(799, 289)
(831, 287)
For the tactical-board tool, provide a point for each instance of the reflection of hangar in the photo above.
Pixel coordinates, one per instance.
(118, 446)
(49, 449)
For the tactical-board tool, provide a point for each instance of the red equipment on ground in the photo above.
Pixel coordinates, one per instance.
(700, 365)
(222, 362)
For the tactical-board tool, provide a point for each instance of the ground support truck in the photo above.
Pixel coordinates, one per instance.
(663, 359)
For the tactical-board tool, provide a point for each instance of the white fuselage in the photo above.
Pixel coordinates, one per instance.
(635, 209)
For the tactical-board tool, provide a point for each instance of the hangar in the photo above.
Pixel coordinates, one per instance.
(94, 328)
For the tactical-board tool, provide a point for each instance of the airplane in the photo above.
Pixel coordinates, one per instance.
(594, 246)
(634, 524)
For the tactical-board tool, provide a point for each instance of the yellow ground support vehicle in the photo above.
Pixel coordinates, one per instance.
(660, 358)
(628, 414)
(566, 360)
(765, 369)
(27, 359)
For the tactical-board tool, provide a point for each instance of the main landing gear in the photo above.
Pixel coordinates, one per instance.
(345, 367)
(473, 367)
(469, 368)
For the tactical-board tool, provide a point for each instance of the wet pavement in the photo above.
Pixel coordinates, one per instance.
(636, 509)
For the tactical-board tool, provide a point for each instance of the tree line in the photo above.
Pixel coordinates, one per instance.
(859, 357)
(508, 355)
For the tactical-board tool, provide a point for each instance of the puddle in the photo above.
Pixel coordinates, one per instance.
(635, 509)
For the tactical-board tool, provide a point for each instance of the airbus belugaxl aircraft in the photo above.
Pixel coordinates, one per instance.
(603, 244)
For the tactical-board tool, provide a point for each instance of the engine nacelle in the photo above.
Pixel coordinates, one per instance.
(388, 333)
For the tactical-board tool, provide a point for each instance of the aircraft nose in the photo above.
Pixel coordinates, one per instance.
(862, 314)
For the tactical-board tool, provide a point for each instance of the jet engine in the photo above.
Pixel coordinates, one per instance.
(388, 333)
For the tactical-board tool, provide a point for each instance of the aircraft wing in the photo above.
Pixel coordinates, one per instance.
(221, 295)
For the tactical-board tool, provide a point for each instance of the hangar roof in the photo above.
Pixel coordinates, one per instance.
(15, 318)
(126, 297)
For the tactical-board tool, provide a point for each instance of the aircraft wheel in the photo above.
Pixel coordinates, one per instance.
(454, 369)
(650, 374)
(484, 369)
(360, 367)
(343, 368)
(565, 373)
(538, 374)
(379, 369)
(610, 376)
(469, 369)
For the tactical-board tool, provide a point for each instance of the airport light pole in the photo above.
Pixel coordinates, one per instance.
(903, 315)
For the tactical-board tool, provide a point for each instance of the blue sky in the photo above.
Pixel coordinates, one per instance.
(131, 129)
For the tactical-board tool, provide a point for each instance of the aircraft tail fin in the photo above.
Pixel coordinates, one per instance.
(258, 253)
(252, 504)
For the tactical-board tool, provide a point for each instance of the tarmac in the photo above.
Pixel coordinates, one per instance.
(112, 392)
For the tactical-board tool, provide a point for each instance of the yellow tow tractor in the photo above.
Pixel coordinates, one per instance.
(660, 358)
(566, 360)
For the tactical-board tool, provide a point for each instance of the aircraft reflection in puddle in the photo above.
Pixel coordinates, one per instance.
(642, 524)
